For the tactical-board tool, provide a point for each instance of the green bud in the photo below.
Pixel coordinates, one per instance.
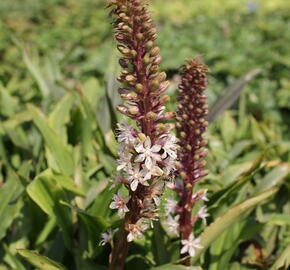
(141, 137)
(139, 87)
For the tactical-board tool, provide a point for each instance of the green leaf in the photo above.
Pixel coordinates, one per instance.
(11, 259)
(46, 192)
(159, 244)
(221, 195)
(230, 95)
(10, 205)
(40, 261)
(283, 260)
(57, 148)
(93, 225)
(59, 117)
(273, 178)
(35, 71)
(175, 267)
(68, 184)
(279, 219)
(212, 232)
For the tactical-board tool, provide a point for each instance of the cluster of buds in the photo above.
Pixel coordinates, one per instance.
(147, 151)
(191, 126)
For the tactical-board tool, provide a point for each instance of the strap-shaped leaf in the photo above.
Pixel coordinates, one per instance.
(214, 230)
(57, 148)
(40, 261)
(230, 95)
(283, 260)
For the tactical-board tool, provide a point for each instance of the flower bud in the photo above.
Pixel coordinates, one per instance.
(154, 85)
(149, 45)
(139, 87)
(141, 137)
(164, 99)
(151, 115)
(134, 110)
(122, 109)
(154, 51)
(130, 78)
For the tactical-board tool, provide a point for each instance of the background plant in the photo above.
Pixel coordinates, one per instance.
(54, 55)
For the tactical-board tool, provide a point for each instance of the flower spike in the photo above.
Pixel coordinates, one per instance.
(147, 151)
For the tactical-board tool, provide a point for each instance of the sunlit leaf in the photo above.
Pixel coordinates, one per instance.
(39, 261)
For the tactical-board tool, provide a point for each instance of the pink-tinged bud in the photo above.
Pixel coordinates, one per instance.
(169, 116)
(122, 109)
(154, 69)
(164, 99)
(154, 51)
(149, 45)
(161, 77)
(130, 78)
(157, 60)
(134, 110)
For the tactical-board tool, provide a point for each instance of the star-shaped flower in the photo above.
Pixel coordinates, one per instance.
(202, 213)
(169, 146)
(107, 237)
(125, 134)
(172, 224)
(135, 176)
(120, 203)
(135, 230)
(190, 245)
(148, 153)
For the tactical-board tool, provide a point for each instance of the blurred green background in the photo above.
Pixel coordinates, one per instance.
(58, 90)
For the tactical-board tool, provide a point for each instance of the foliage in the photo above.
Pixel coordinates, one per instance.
(57, 146)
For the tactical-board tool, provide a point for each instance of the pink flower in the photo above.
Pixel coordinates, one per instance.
(135, 230)
(120, 203)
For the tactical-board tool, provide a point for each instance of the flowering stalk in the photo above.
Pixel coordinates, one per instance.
(191, 126)
(147, 150)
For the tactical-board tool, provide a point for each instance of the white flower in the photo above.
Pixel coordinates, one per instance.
(201, 194)
(169, 166)
(160, 113)
(135, 230)
(202, 213)
(154, 170)
(170, 206)
(120, 203)
(125, 133)
(169, 146)
(135, 176)
(124, 160)
(118, 179)
(190, 245)
(107, 237)
(156, 190)
(148, 153)
(172, 224)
